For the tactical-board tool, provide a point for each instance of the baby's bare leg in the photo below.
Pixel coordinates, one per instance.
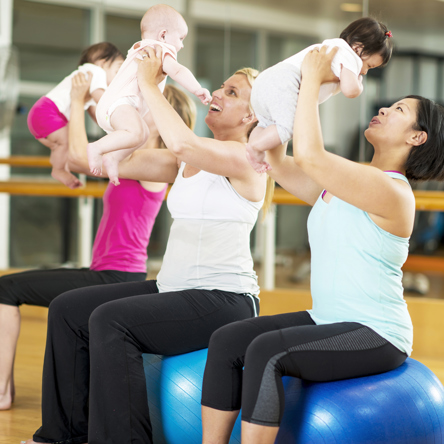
(261, 140)
(264, 139)
(111, 163)
(130, 131)
(57, 142)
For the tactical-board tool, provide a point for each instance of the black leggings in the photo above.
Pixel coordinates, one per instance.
(289, 344)
(93, 361)
(40, 287)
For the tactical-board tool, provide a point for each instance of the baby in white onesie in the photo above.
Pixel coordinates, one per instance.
(121, 109)
(363, 45)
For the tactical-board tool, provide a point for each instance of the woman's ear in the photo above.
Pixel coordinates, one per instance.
(419, 138)
(249, 119)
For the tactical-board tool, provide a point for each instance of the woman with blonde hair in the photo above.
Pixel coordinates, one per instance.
(93, 383)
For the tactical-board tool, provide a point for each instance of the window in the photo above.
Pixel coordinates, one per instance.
(50, 39)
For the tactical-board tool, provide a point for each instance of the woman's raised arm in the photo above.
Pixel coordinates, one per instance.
(225, 157)
(78, 140)
(291, 177)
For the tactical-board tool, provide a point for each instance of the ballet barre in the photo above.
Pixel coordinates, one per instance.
(425, 200)
(46, 187)
(26, 161)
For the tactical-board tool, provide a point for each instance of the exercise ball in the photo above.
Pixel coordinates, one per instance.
(403, 406)
(174, 385)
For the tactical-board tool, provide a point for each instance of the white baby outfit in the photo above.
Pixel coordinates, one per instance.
(275, 92)
(61, 94)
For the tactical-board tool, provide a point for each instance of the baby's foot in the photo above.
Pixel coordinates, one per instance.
(112, 168)
(66, 178)
(256, 160)
(94, 159)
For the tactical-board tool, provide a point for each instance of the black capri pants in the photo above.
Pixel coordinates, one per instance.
(40, 287)
(94, 387)
(289, 344)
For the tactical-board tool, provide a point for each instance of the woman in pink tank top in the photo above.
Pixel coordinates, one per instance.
(119, 251)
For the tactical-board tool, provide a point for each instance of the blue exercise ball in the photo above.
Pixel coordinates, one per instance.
(174, 385)
(403, 406)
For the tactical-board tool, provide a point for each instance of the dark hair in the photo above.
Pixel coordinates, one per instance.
(372, 35)
(426, 161)
(100, 51)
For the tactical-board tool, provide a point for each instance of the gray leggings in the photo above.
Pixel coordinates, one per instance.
(289, 344)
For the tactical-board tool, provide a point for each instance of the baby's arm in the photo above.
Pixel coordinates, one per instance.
(184, 77)
(97, 94)
(350, 83)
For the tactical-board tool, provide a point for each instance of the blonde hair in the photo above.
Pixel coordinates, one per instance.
(251, 75)
(183, 106)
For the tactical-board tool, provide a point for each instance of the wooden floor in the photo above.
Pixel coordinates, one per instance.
(23, 419)
(19, 423)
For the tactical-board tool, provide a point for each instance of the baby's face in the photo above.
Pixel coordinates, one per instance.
(175, 36)
(370, 62)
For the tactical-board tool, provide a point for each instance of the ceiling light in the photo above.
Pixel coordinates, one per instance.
(351, 7)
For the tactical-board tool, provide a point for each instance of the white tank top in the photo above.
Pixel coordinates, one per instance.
(209, 243)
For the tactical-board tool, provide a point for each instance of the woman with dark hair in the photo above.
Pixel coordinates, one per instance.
(359, 231)
(425, 162)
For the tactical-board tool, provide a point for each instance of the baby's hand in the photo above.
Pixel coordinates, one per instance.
(257, 159)
(204, 95)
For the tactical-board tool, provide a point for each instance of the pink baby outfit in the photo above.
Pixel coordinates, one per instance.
(129, 212)
(124, 88)
(52, 111)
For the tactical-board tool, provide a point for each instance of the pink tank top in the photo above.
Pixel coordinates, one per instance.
(129, 212)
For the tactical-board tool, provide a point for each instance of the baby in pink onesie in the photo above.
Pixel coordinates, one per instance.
(122, 108)
(48, 118)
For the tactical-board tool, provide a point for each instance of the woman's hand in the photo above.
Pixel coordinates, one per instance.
(317, 65)
(80, 85)
(150, 70)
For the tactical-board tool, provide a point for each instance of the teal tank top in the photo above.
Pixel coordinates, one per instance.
(356, 271)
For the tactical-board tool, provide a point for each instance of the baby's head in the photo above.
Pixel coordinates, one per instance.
(371, 40)
(105, 55)
(165, 24)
